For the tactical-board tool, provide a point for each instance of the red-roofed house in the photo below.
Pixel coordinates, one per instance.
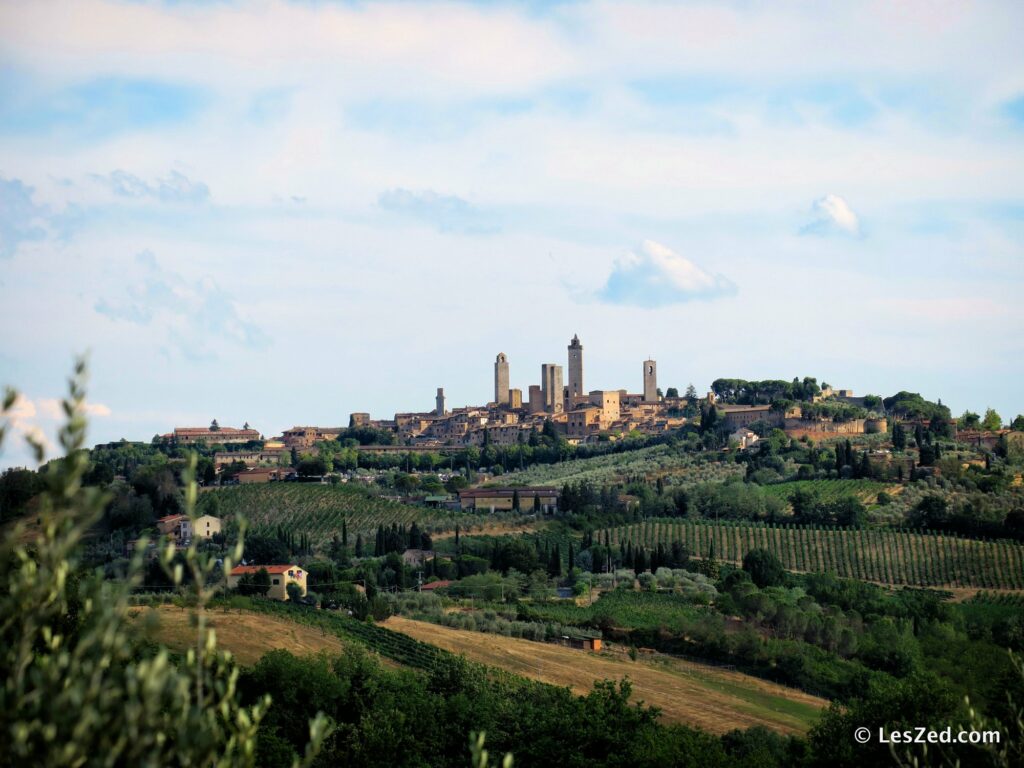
(280, 577)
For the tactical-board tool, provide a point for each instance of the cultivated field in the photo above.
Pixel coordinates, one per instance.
(319, 510)
(676, 467)
(703, 696)
(832, 490)
(884, 556)
(247, 635)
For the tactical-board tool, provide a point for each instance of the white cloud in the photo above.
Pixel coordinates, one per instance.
(832, 214)
(656, 276)
(53, 409)
(173, 188)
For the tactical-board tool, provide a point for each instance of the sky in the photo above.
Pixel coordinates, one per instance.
(283, 212)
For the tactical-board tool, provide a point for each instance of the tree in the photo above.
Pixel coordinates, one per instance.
(555, 564)
(255, 583)
(17, 487)
(359, 545)
(1018, 423)
(515, 500)
(344, 532)
(294, 591)
(78, 680)
(266, 550)
(899, 436)
(992, 420)
(969, 420)
(214, 426)
(672, 392)
(765, 569)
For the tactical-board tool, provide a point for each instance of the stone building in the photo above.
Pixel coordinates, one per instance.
(515, 398)
(439, 402)
(575, 367)
(551, 387)
(222, 435)
(501, 379)
(536, 401)
(650, 381)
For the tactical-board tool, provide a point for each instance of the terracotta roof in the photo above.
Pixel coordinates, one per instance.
(436, 585)
(170, 518)
(539, 490)
(238, 570)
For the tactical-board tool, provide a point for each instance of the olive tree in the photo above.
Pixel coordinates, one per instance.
(79, 686)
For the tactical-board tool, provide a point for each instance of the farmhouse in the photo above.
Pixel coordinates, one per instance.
(503, 498)
(280, 577)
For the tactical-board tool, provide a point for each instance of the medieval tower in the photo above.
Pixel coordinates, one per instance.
(439, 402)
(650, 381)
(501, 379)
(551, 387)
(575, 367)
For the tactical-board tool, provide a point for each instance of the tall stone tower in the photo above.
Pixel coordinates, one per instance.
(650, 381)
(439, 401)
(551, 387)
(575, 367)
(501, 379)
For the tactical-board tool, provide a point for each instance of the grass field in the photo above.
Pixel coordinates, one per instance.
(247, 635)
(703, 696)
(884, 556)
(318, 510)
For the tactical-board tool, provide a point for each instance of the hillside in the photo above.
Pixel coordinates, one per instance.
(880, 555)
(319, 510)
(247, 635)
(664, 461)
(700, 695)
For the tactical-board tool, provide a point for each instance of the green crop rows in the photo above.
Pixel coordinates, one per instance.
(318, 510)
(925, 559)
(833, 490)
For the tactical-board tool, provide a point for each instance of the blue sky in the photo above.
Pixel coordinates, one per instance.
(281, 212)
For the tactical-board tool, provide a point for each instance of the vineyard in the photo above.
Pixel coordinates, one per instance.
(833, 490)
(676, 467)
(901, 557)
(318, 510)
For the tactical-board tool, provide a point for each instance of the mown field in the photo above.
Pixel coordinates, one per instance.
(885, 556)
(714, 699)
(319, 510)
(676, 467)
(247, 635)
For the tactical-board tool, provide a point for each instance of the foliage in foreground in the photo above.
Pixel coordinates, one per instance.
(79, 688)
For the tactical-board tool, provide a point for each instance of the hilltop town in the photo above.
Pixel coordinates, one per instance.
(741, 412)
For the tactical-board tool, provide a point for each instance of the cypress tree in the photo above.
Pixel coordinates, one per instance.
(344, 532)
(572, 557)
(359, 545)
(555, 567)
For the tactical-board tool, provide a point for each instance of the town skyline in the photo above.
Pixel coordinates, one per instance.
(533, 407)
(264, 242)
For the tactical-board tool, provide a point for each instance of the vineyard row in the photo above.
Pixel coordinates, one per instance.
(924, 559)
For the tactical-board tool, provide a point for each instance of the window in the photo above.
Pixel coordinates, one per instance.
(277, 581)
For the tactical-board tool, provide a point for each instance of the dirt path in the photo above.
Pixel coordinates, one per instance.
(710, 698)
